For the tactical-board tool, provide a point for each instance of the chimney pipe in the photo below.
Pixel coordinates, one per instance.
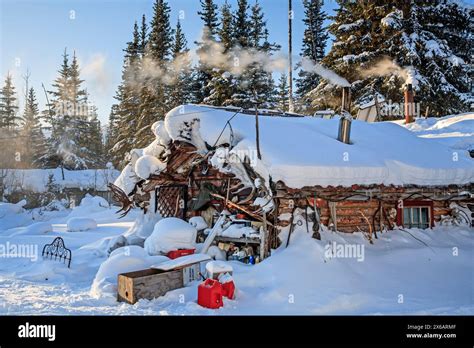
(346, 99)
(409, 104)
(344, 133)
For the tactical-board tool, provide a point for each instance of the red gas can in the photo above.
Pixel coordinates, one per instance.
(210, 294)
(228, 289)
(173, 254)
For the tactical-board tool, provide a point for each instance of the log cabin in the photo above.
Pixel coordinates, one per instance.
(339, 174)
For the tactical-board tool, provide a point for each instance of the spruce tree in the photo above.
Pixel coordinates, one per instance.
(221, 86)
(57, 117)
(313, 46)
(412, 34)
(208, 15)
(254, 84)
(33, 141)
(95, 146)
(123, 123)
(242, 26)
(143, 36)
(161, 35)
(8, 105)
(282, 93)
(203, 73)
(180, 88)
(68, 145)
(225, 33)
(153, 92)
(8, 125)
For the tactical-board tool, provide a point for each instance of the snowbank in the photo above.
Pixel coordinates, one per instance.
(39, 228)
(122, 260)
(81, 224)
(304, 151)
(455, 131)
(171, 234)
(11, 208)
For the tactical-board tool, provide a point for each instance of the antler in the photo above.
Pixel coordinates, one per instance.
(122, 198)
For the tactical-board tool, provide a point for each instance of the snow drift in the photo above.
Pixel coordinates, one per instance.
(81, 224)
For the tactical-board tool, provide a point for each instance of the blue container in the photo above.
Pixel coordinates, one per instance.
(252, 260)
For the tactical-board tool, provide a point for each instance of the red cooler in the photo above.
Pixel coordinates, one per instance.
(210, 294)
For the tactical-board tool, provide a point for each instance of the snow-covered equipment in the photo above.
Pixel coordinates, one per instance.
(57, 250)
(170, 234)
(210, 294)
(216, 268)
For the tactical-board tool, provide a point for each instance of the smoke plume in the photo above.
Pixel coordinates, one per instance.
(386, 66)
(311, 66)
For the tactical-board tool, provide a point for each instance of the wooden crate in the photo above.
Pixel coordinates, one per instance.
(147, 284)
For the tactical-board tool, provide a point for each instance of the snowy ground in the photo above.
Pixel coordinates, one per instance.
(395, 275)
(455, 131)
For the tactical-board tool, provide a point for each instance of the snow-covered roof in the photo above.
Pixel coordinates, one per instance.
(304, 151)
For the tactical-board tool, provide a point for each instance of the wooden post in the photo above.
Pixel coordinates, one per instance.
(291, 106)
(257, 132)
(381, 216)
(264, 238)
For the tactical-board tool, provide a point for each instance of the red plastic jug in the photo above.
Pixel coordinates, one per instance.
(228, 289)
(210, 294)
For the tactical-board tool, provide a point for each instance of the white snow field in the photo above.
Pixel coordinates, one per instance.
(455, 131)
(398, 274)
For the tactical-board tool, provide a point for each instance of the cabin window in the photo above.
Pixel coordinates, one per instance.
(416, 217)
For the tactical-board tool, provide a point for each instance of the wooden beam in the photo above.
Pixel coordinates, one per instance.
(239, 207)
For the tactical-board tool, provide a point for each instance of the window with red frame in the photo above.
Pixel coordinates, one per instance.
(416, 214)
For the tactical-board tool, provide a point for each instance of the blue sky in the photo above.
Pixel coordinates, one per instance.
(34, 33)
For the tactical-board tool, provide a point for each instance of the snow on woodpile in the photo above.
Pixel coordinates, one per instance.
(144, 162)
(304, 151)
(455, 131)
